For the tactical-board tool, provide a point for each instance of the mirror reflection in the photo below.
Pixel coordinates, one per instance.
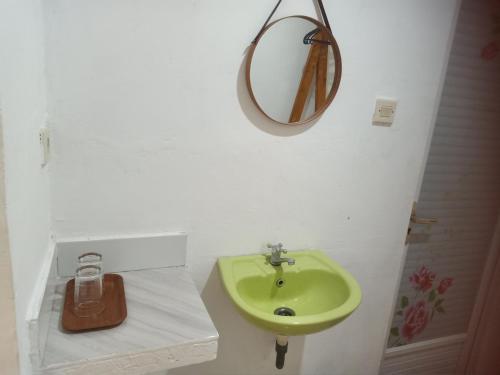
(293, 71)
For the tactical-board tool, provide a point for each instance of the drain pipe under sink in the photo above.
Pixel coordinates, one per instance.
(281, 349)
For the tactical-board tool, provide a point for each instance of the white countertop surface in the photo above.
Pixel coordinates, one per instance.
(167, 326)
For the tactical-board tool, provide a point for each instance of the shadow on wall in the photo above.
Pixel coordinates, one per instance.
(256, 117)
(244, 349)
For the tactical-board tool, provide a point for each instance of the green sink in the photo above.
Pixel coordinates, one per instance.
(313, 294)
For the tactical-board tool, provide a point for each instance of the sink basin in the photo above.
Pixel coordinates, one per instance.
(316, 290)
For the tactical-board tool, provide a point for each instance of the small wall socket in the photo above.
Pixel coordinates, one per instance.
(44, 146)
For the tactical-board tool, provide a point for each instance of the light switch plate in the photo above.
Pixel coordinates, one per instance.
(384, 111)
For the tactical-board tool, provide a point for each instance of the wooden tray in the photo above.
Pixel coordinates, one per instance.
(114, 313)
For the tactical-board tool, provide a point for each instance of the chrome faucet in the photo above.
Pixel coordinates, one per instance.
(276, 258)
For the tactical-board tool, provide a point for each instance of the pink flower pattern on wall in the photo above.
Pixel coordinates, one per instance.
(422, 280)
(444, 285)
(416, 318)
(413, 315)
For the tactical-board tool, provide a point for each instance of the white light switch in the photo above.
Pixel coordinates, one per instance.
(384, 111)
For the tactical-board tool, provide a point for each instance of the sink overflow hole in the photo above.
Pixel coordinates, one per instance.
(280, 283)
(284, 311)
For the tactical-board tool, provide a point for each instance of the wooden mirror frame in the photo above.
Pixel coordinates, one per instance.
(336, 79)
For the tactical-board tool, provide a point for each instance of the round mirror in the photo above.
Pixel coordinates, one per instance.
(293, 70)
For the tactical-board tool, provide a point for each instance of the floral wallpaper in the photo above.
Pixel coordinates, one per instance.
(491, 50)
(415, 312)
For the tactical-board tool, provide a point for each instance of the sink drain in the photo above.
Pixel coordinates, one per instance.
(284, 311)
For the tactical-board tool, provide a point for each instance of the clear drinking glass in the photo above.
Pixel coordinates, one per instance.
(90, 259)
(88, 291)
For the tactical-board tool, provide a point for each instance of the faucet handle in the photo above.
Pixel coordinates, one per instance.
(278, 248)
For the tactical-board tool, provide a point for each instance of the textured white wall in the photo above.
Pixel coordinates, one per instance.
(153, 130)
(23, 102)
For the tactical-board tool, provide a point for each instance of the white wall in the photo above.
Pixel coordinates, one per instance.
(153, 131)
(23, 105)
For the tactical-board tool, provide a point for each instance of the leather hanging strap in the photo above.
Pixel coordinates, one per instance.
(323, 14)
(265, 23)
(321, 8)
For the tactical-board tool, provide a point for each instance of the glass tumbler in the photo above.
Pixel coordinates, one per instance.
(88, 291)
(90, 259)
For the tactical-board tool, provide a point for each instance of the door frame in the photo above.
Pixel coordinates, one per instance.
(9, 357)
(475, 331)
